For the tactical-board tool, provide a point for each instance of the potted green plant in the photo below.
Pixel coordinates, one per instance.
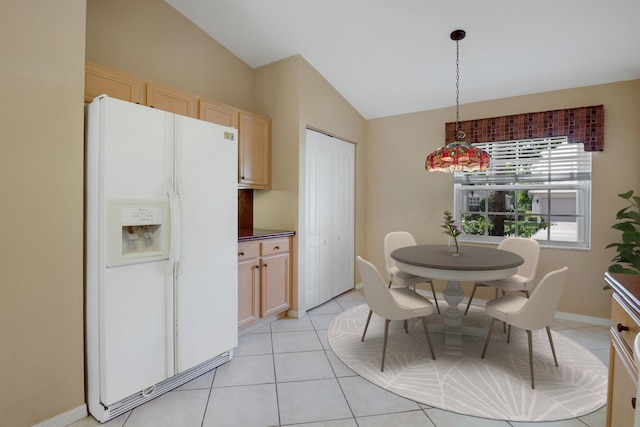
(627, 259)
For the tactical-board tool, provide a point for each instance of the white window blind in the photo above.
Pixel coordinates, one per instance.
(531, 161)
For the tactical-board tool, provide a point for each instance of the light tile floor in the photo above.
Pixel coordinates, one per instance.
(285, 374)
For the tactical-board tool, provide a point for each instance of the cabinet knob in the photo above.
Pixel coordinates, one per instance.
(241, 253)
(257, 266)
(621, 327)
(242, 177)
(277, 248)
(633, 402)
(264, 265)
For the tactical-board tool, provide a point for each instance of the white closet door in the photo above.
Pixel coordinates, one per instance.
(329, 212)
(342, 214)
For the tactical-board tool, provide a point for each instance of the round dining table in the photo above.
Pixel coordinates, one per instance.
(473, 263)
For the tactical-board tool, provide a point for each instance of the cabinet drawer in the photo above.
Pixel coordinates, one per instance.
(276, 246)
(248, 251)
(622, 320)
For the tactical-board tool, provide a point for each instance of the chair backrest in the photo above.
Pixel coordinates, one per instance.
(376, 292)
(393, 241)
(529, 250)
(540, 309)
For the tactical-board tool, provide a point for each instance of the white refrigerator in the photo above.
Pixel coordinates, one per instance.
(161, 248)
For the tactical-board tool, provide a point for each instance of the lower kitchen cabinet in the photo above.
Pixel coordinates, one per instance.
(264, 279)
(623, 373)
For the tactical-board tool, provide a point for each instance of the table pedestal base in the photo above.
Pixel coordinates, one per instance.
(453, 295)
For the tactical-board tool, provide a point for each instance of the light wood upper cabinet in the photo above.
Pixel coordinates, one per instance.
(172, 100)
(254, 131)
(100, 80)
(254, 150)
(218, 113)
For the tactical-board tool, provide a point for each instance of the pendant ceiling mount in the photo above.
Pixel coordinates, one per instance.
(457, 155)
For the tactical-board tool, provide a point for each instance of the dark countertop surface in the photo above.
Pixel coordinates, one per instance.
(627, 286)
(248, 234)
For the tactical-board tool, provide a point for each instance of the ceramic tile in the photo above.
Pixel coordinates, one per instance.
(330, 307)
(588, 341)
(413, 418)
(324, 339)
(245, 370)
(442, 418)
(89, 421)
(322, 321)
(366, 398)
(339, 368)
(311, 401)
(296, 341)
(564, 423)
(176, 408)
(597, 418)
(347, 304)
(243, 406)
(253, 344)
(309, 365)
(346, 422)
(289, 324)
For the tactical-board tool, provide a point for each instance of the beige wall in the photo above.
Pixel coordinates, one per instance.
(296, 96)
(400, 194)
(41, 188)
(150, 39)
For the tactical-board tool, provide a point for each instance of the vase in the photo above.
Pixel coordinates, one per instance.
(454, 248)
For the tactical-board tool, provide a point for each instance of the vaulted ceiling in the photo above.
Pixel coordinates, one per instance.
(394, 57)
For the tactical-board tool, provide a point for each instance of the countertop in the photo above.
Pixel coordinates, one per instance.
(627, 286)
(248, 234)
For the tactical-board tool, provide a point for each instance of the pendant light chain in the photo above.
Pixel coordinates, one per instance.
(457, 155)
(459, 134)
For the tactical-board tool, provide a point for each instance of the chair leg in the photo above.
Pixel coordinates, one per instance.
(508, 333)
(486, 342)
(366, 325)
(530, 357)
(553, 350)
(433, 290)
(406, 326)
(426, 331)
(470, 298)
(384, 345)
(390, 282)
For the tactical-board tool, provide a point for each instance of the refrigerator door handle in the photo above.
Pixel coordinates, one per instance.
(174, 251)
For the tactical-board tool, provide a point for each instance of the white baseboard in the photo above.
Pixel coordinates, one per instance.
(600, 321)
(66, 418)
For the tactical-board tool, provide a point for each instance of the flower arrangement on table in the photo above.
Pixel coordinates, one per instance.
(451, 229)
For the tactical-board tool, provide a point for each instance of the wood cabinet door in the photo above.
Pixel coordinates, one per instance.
(254, 151)
(168, 99)
(622, 385)
(274, 289)
(218, 113)
(99, 80)
(248, 292)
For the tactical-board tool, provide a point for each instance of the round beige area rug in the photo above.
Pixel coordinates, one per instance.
(496, 387)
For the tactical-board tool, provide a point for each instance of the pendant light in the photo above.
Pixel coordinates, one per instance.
(457, 155)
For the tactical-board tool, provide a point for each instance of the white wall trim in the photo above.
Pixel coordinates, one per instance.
(66, 418)
(559, 314)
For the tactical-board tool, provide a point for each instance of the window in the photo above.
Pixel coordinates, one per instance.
(537, 188)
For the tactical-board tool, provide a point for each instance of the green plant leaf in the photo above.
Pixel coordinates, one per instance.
(626, 195)
(624, 226)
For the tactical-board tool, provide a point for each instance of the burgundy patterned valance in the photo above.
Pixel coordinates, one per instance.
(584, 125)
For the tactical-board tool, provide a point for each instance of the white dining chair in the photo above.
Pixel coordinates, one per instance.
(392, 304)
(523, 280)
(530, 314)
(401, 239)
